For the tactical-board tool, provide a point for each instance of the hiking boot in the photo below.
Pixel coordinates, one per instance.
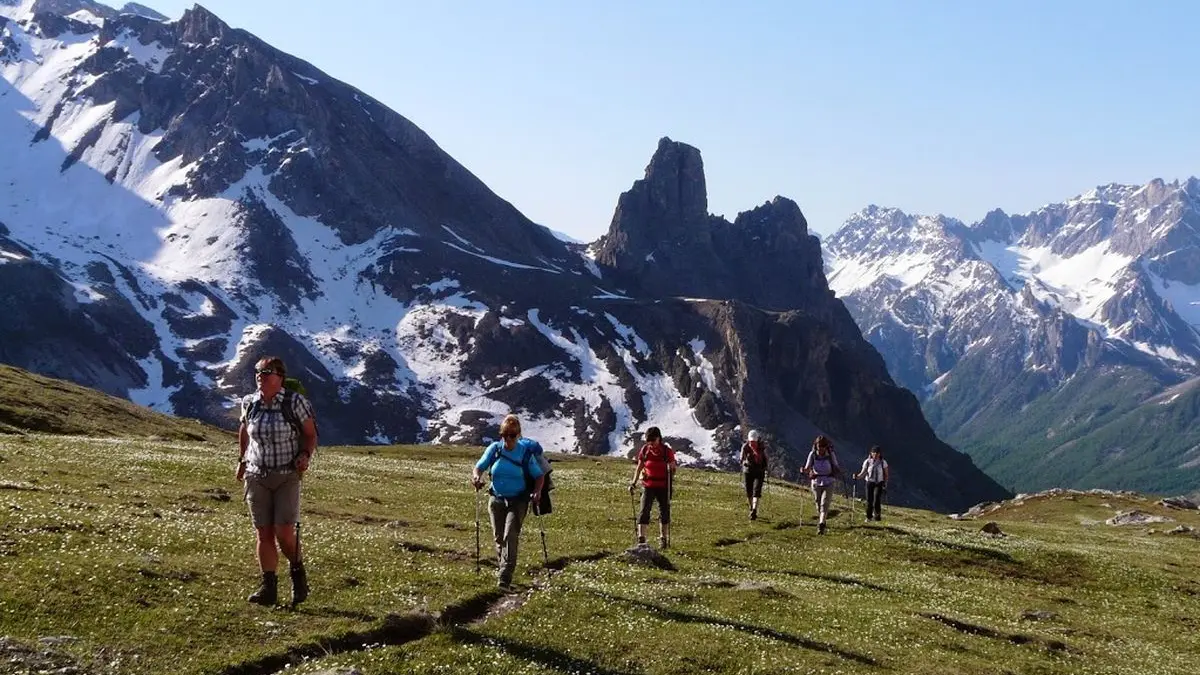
(299, 584)
(753, 514)
(662, 542)
(821, 528)
(641, 540)
(268, 592)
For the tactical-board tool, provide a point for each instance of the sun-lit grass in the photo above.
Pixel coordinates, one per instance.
(31, 402)
(142, 552)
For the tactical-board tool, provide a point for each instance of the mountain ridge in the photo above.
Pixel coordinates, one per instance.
(1016, 306)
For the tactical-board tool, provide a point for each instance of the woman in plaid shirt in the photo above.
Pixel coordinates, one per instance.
(277, 438)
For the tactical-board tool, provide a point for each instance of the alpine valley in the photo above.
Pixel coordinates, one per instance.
(1058, 347)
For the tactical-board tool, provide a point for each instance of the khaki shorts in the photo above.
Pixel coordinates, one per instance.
(274, 499)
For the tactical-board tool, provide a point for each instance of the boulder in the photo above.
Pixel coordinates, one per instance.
(1136, 517)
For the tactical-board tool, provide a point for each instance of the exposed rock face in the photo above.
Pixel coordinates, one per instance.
(663, 239)
(227, 201)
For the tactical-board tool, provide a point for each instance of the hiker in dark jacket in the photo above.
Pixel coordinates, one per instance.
(276, 438)
(875, 472)
(754, 469)
(822, 468)
(656, 465)
(517, 480)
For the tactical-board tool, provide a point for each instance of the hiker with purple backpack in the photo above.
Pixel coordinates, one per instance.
(823, 469)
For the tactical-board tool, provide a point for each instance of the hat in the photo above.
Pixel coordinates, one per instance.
(753, 435)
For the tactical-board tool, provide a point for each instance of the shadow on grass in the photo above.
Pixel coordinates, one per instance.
(846, 581)
(761, 631)
(393, 630)
(1059, 568)
(984, 631)
(561, 562)
(550, 658)
(920, 539)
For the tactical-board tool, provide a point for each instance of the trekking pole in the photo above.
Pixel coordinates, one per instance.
(670, 499)
(846, 492)
(802, 500)
(477, 530)
(537, 511)
(854, 497)
(633, 507)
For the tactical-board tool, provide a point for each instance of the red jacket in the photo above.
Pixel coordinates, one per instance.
(654, 464)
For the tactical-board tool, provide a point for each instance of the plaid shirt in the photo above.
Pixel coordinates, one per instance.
(274, 444)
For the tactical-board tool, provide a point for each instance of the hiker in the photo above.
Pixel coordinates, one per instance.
(875, 471)
(277, 437)
(517, 479)
(754, 469)
(822, 468)
(656, 465)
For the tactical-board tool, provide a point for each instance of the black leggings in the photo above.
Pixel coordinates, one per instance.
(874, 497)
(754, 484)
(650, 495)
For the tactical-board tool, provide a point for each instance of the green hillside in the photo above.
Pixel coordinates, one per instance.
(1103, 431)
(33, 403)
(140, 563)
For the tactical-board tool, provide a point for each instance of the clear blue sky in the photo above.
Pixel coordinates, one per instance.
(955, 107)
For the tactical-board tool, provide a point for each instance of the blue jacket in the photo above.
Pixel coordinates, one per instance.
(508, 478)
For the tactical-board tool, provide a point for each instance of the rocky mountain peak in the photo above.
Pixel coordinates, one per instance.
(200, 26)
(144, 11)
(674, 184)
(781, 215)
(663, 242)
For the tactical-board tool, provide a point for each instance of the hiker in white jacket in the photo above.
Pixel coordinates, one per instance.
(875, 472)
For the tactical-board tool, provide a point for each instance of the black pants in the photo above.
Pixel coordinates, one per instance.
(874, 499)
(754, 484)
(660, 495)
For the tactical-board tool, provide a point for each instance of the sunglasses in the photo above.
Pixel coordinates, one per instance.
(508, 435)
(266, 371)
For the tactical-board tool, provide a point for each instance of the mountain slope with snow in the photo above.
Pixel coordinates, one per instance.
(180, 198)
(990, 322)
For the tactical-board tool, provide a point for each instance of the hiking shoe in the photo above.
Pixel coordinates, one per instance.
(504, 586)
(821, 528)
(753, 514)
(641, 540)
(268, 591)
(662, 542)
(299, 585)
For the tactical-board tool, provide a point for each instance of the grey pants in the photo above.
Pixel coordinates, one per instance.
(821, 494)
(507, 517)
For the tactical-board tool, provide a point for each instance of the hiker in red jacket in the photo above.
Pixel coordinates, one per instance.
(656, 465)
(754, 469)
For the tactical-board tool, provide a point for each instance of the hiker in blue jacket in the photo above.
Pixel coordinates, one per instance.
(517, 479)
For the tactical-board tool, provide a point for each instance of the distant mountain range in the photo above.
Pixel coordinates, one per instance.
(1058, 347)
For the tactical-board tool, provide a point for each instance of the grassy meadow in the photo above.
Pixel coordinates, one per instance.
(135, 556)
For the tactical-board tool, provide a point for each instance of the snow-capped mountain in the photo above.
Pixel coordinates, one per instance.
(178, 199)
(989, 322)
